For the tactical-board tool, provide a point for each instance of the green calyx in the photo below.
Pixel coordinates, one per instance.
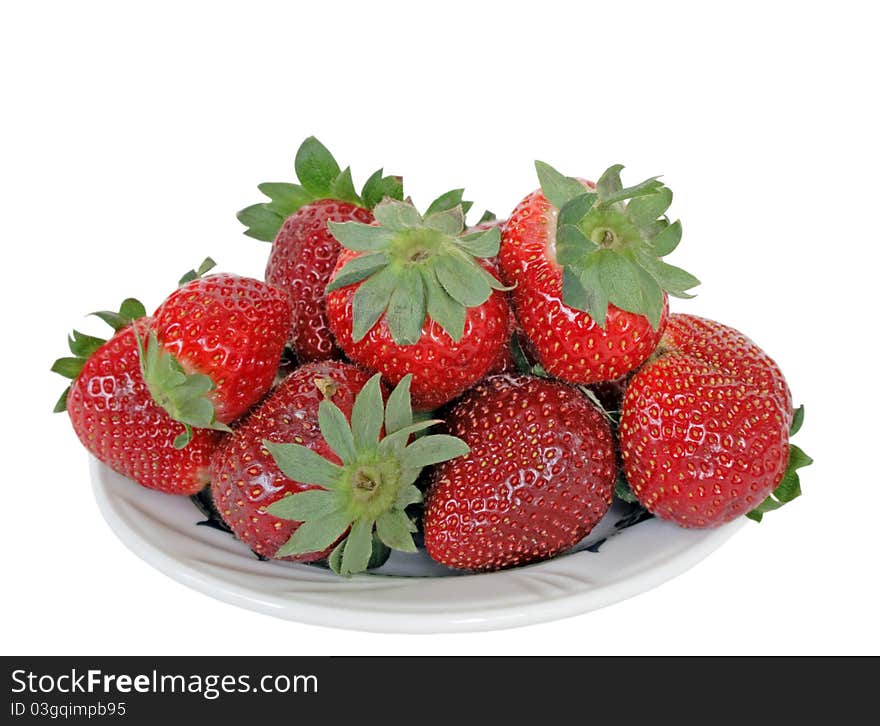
(362, 501)
(207, 265)
(488, 216)
(184, 396)
(789, 487)
(83, 346)
(320, 178)
(610, 242)
(415, 266)
(454, 198)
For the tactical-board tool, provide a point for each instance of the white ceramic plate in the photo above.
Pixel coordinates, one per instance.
(410, 593)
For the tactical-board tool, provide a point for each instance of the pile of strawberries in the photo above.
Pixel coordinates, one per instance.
(492, 387)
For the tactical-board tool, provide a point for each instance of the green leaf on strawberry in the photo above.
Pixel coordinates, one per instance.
(378, 557)
(319, 177)
(610, 241)
(449, 200)
(207, 265)
(371, 300)
(284, 196)
(558, 188)
(377, 187)
(611, 190)
(797, 420)
(262, 222)
(359, 269)
(184, 396)
(417, 266)
(316, 168)
(362, 501)
(789, 487)
(129, 311)
(481, 244)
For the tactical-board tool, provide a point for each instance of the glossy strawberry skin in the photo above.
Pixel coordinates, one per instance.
(539, 476)
(302, 260)
(230, 328)
(569, 343)
(244, 477)
(117, 420)
(442, 369)
(704, 430)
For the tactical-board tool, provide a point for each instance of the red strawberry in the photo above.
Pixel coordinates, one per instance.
(214, 347)
(705, 427)
(302, 260)
(412, 295)
(540, 474)
(590, 288)
(117, 420)
(304, 252)
(318, 437)
(245, 478)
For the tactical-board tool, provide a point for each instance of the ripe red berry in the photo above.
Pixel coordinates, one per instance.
(229, 328)
(705, 425)
(540, 474)
(589, 285)
(245, 477)
(304, 252)
(301, 262)
(309, 474)
(412, 295)
(117, 420)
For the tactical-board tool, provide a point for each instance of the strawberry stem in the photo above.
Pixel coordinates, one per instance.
(609, 243)
(184, 396)
(319, 177)
(415, 267)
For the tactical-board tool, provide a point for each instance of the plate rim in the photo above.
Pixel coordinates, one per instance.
(480, 619)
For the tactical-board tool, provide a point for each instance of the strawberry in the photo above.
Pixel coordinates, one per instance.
(308, 475)
(590, 287)
(245, 478)
(304, 252)
(412, 295)
(116, 418)
(302, 260)
(540, 474)
(213, 349)
(705, 427)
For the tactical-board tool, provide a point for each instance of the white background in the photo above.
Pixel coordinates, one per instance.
(131, 136)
